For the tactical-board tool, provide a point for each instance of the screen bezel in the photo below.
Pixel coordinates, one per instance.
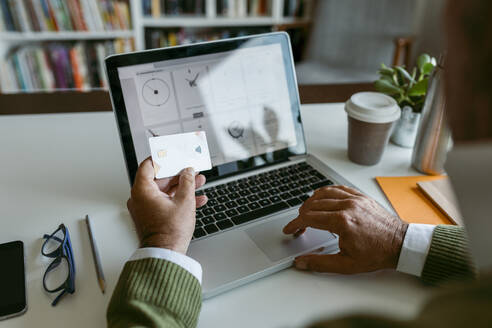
(149, 56)
(17, 249)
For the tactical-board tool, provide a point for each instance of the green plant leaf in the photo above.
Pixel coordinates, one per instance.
(385, 86)
(427, 69)
(418, 89)
(385, 70)
(422, 60)
(405, 74)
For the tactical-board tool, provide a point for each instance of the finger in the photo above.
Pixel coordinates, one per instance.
(328, 205)
(199, 181)
(299, 232)
(331, 192)
(352, 191)
(145, 172)
(201, 201)
(323, 220)
(337, 263)
(294, 226)
(166, 184)
(186, 187)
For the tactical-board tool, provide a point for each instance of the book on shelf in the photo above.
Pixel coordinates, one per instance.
(159, 8)
(158, 38)
(244, 8)
(55, 66)
(297, 8)
(64, 15)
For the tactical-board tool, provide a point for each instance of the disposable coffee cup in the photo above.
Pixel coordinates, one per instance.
(370, 120)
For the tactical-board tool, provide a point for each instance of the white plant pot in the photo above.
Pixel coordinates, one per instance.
(406, 127)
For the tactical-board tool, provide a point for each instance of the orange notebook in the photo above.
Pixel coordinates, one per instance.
(409, 201)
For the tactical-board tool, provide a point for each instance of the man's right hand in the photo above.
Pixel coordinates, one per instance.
(370, 238)
(164, 210)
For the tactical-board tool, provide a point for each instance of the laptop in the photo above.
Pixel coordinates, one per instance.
(243, 93)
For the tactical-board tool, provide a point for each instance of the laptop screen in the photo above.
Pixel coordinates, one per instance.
(241, 98)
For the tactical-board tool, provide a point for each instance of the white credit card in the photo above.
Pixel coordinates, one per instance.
(173, 153)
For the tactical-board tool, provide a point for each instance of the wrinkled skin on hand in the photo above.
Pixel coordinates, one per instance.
(370, 237)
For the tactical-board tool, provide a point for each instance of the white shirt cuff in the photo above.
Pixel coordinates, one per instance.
(415, 248)
(183, 261)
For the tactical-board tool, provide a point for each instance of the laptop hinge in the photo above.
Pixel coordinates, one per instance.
(298, 157)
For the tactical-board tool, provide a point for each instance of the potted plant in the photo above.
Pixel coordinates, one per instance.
(409, 91)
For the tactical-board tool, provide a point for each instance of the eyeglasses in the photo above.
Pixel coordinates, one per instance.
(60, 274)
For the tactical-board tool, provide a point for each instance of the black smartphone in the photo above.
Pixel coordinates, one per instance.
(13, 300)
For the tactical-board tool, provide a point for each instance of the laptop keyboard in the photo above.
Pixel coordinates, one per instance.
(251, 198)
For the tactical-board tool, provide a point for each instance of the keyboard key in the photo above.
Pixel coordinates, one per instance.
(199, 214)
(234, 195)
(211, 194)
(199, 193)
(208, 211)
(321, 184)
(255, 190)
(219, 208)
(199, 232)
(264, 202)
(212, 202)
(304, 197)
(306, 189)
(285, 196)
(263, 194)
(231, 204)
(242, 201)
(274, 191)
(198, 223)
(254, 206)
(243, 218)
(244, 192)
(253, 198)
(312, 180)
(242, 209)
(296, 192)
(293, 185)
(222, 199)
(208, 220)
(243, 185)
(283, 188)
(222, 192)
(219, 216)
(285, 180)
(275, 183)
(294, 201)
(211, 228)
(224, 224)
(232, 212)
(275, 199)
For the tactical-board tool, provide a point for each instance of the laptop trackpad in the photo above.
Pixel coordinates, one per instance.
(277, 246)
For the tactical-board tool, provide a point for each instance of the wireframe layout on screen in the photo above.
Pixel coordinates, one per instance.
(239, 98)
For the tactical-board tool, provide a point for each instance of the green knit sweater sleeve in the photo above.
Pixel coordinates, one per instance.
(155, 293)
(449, 256)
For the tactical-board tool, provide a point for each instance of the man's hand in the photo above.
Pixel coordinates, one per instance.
(370, 238)
(164, 210)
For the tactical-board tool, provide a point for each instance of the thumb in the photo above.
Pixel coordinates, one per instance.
(337, 263)
(186, 187)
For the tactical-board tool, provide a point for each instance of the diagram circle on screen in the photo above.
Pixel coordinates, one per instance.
(236, 129)
(156, 92)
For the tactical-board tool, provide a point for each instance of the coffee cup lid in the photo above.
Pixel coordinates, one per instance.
(372, 107)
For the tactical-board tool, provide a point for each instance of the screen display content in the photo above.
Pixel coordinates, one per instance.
(240, 98)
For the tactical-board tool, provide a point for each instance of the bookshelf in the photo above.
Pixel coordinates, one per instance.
(212, 20)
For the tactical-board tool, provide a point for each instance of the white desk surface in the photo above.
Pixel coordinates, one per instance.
(58, 168)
